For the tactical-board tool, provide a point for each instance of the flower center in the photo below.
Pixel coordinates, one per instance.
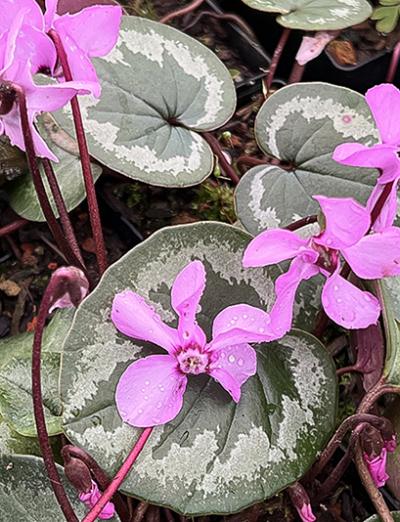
(7, 97)
(328, 257)
(192, 360)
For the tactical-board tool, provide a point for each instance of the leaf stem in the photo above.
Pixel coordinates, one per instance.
(269, 78)
(38, 182)
(394, 63)
(216, 148)
(94, 213)
(43, 436)
(180, 12)
(119, 477)
(62, 210)
(13, 227)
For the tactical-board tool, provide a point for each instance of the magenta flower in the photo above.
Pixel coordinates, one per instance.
(370, 256)
(306, 514)
(101, 28)
(377, 467)
(91, 497)
(16, 72)
(150, 391)
(384, 102)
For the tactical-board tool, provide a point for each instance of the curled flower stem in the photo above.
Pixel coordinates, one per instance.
(180, 12)
(100, 476)
(348, 424)
(216, 148)
(43, 436)
(119, 477)
(380, 389)
(38, 182)
(85, 160)
(373, 492)
(62, 210)
(394, 63)
(13, 227)
(300, 223)
(269, 78)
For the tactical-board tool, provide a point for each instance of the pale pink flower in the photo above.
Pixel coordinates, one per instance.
(73, 287)
(150, 391)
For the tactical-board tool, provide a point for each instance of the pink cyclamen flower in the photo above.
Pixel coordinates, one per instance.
(16, 72)
(370, 256)
(91, 32)
(73, 287)
(306, 514)
(377, 467)
(91, 497)
(150, 391)
(384, 102)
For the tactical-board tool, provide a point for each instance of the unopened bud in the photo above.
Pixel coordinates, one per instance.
(78, 474)
(8, 96)
(301, 501)
(72, 287)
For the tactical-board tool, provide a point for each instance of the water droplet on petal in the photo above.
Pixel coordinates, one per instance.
(261, 330)
(339, 300)
(147, 383)
(244, 316)
(223, 355)
(159, 405)
(146, 397)
(336, 288)
(329, 241)
(240, 362)
(140, 411)
(143, 390)
(161, 387)
(231, 359)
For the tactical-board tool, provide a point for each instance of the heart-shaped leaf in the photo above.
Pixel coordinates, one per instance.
(12, 443)
(389, 295)
(159, 87)
(26, 493)
(15, 377)
(375, 518)
(216, 456)
(316, 15)
(301, 125)
(22, 193)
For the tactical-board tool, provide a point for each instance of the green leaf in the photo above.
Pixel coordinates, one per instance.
(12, 442)
(375, 518)
(216, 456)
(159, 87)
(302, 124)
(22, 193)
(15, 377)
(388, 290)
(387, 18)
(26, 493)
(12, 161)
(316, 15)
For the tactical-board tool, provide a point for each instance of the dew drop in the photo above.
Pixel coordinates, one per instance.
(339, 300)
(147, 383)
(143, 390)
(140, 411)
(231, 359)
(336, 288)
(261, 330)
(235, 317)
(244, 316)
(240, 362)
(146, 397)
(161, 387)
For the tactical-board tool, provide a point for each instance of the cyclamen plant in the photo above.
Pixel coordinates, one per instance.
(274, 408)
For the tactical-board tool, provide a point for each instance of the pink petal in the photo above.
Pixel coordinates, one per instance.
(377, 468)
(376, 255)
(10, 8)
(346, 221)
(150, 391)
(241, 323)
(306, 514)
(90, 499)
(388, 212)
(232, 366)
(133, 317)
(51, 14)
(101, 23)
(312, 46)
(347, 305)
(186, 293)
(384, 102)
(285, 290)
(273, 246)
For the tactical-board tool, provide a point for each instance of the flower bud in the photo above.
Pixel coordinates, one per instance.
(72, 287)
(78, 474)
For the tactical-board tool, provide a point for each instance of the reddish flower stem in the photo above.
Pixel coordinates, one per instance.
(119, 477)
(38, 182)
(300, 223)
(180, 12)
(394, 63)
(269, 78)
(225, 166)
(297, 73)
(62, 210)
(380, 202)
(43, 436)
(13, 227)
(94, 213)
(100, 476)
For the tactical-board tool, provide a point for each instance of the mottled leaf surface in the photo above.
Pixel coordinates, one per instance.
(26, 494)
(375, 518)
(160, 88)
(215, 456)
(22, 193)
(301, 125)
(12, 442)
(315, 15)
(15, 377)
(389, 294)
